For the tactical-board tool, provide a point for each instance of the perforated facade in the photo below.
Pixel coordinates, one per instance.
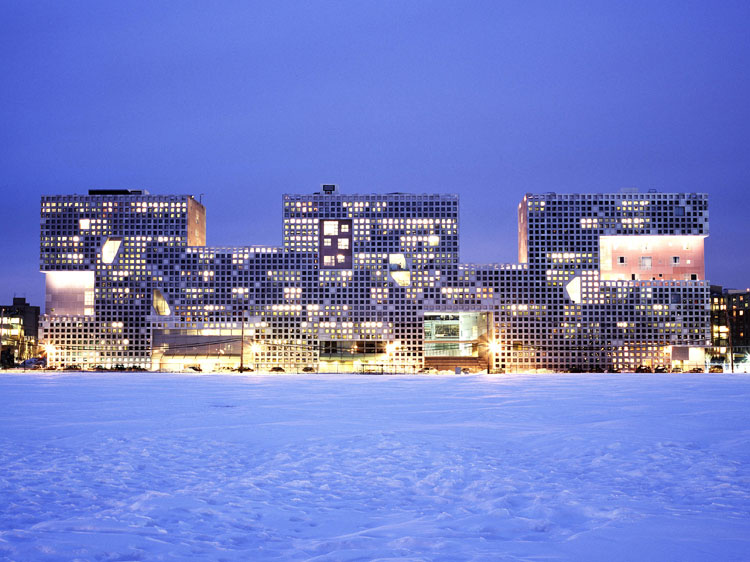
(374, 283)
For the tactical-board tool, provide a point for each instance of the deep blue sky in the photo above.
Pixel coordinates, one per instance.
(245, 101)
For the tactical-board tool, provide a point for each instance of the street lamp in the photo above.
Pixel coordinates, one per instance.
(390, 349)
(50, 349)
(493, 348)
(255, 348)
(242, 344)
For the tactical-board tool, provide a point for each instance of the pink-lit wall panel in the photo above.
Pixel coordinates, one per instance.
(671, 257)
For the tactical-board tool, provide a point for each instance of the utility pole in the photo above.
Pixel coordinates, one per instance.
(729, 335)
(489, 348)
(242, 344)
(2, 324)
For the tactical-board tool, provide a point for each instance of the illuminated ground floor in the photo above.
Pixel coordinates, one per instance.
(501, 338)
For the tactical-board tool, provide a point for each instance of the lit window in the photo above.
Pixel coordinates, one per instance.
(326, 241)
(343, 243)
(84, 224)
(160, 303)
(329, 261)
(344, 228)
(573, 290)
(110, 249)
(330, 228)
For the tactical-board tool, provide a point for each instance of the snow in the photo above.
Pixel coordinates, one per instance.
(157, 466)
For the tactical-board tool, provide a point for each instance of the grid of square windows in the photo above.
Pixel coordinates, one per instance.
(554, 310)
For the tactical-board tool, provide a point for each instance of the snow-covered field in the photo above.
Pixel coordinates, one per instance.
(144, 466)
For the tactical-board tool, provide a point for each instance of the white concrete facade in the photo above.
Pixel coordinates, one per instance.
(374, 283)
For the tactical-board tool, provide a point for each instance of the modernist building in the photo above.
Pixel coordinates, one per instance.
(374, 283)
(18, 331)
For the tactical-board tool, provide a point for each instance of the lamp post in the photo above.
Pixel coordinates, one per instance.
(487, 332)
(493, 348)
(50, 349)
(242, 344)
(2, 326)
(729, 335)
(390, 349)
(489, 356)
(255, 348)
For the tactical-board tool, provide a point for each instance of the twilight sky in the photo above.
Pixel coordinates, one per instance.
(244, 101)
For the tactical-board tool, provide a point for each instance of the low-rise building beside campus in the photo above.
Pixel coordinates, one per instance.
(18, 332)
(730, 330)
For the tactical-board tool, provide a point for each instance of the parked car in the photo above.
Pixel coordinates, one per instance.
(34, 363)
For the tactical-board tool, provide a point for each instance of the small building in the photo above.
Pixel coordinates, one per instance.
(19, 324)
(730, 329)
